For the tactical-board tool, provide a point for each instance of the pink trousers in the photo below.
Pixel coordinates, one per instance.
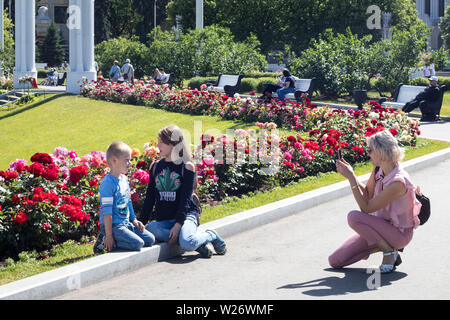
(370, 230)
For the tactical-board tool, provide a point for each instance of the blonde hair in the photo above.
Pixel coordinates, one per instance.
(172, 135)
(388, 146)
(116, 149)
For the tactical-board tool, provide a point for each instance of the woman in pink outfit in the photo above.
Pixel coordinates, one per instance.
(388, 208)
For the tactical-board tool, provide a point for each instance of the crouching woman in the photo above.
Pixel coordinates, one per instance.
(388, 209)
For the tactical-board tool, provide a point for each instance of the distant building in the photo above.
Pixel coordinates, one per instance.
(431, 12)
(56, 12)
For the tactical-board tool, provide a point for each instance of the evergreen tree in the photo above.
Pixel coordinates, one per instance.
(102, 20)
(51, 50)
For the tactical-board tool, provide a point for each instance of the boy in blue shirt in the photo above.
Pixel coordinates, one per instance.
(118, 224)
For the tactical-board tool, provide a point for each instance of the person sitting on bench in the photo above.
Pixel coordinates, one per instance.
(268, 88)
(429, 95)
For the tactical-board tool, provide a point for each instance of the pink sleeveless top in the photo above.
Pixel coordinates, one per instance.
(402, 212)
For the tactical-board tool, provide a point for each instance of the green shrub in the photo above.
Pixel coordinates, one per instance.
(196, 82)
(422, 81)
(121, 49)
(256, 74)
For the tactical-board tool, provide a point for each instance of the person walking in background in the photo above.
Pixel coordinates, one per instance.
(127, 71)
(388, 209)
(118, 224)
(170, 190)
(114, 73)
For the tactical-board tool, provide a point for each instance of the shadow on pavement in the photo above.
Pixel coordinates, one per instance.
(355, 280)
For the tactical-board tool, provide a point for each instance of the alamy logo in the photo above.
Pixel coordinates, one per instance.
(74, 20)
(374, 21)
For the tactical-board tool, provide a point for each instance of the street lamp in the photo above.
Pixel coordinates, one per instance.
(199, 14)
(154, 16)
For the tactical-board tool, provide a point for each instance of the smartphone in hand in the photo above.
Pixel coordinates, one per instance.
(338, 153)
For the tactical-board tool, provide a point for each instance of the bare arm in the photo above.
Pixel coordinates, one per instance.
(364, 194)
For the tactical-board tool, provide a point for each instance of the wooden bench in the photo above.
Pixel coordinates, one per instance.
(301, 86)
(229, 84)
(405, 93)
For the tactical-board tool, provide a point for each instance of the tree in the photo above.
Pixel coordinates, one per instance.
(120, 49)
(51, 50)
(102, 20)
(445, 27)
(145, 11)
(7, 53)
(292, 22)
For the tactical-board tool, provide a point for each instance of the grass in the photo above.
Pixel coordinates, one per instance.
(73, 122)
(30, 264)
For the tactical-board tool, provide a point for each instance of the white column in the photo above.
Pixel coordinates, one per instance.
(2, 42)
(199, 14)
(25, 41)
(81, 44)
(88, 35)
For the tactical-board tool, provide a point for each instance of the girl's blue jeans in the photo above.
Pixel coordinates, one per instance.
(281, 93)
(189, 239)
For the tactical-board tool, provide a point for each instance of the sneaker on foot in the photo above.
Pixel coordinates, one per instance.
(99, 245)
(219, 244)
(204, 251)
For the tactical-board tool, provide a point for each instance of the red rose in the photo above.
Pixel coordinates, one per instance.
(21, 217)
(93, 183)
(50, 173)
(15, 199)
(11, 175)
(43, 158)
(393, 131)
(36, 169)
(135, 197)
(141, 164)
(76, 173)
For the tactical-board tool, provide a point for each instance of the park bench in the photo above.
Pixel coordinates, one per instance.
(405, 93)
(61, 78)
(229, 84)
(301, 86)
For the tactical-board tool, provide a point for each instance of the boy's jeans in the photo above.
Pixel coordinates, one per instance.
(281, 93)
(127, 236)
(189, 239)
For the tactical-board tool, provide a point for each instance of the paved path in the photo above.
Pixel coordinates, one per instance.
(287, 259)
(435, 130)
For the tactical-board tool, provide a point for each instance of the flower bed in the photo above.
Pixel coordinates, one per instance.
(54, 197)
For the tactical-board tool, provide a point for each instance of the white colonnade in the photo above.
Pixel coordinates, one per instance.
(81, 42)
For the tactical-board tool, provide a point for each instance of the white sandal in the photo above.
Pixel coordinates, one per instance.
(387, 268)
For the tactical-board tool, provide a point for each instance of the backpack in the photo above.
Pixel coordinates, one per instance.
(195, 198)
(425, 210)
